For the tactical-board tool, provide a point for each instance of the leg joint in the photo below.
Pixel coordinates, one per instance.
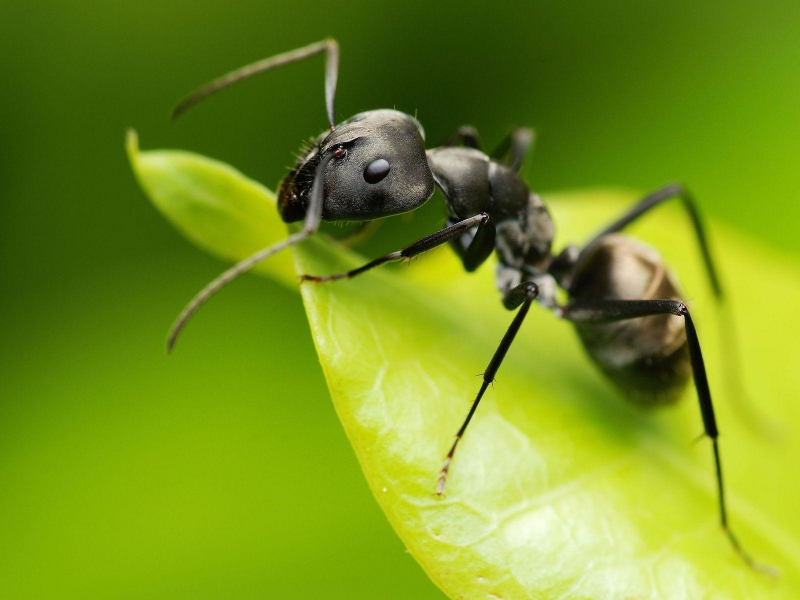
(524, 292)
(530, 289)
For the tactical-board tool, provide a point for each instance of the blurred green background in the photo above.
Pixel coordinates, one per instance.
(222, 471)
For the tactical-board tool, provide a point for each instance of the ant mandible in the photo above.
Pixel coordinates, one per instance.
(621, 297)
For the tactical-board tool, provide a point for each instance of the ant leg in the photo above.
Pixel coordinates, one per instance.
(474, 247)
(310, 225)
(511, 150)
(329, 46)
(734, 387)
(606, 311)
(514, 147)
(428, 243)
(522, 295)
(467, 135)
(668, 192)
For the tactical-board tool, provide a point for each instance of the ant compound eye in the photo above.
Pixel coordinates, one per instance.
(339, 152)
(376, 170)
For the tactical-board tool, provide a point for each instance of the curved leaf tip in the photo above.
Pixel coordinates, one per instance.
(560, 489)
(212, 204)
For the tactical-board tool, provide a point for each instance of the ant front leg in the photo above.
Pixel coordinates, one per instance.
(522, 295)
(482, 221)
(475, 245)
(607, 311)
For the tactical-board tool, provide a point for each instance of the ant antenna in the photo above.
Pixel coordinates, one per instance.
(329, 46)
(310, 225)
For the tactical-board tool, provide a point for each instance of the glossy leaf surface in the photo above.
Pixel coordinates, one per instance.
(560, 489)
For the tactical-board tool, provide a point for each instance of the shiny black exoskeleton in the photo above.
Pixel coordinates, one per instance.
(626, 309)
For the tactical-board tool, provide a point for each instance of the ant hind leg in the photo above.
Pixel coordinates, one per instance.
(607, 311)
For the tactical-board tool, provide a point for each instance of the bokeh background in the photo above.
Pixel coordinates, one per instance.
(222, 472)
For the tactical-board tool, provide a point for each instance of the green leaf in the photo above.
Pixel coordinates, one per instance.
(560, 488)
(212, 204)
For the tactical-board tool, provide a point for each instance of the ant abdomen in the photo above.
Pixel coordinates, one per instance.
(647, 357)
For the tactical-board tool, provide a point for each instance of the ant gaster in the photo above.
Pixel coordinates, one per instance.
(621, 298)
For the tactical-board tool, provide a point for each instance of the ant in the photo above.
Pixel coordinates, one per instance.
(621, 297)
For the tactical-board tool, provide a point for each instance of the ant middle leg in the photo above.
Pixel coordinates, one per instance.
(467, 135)
(485, 231)
(608, 311)
(520, 296)
(513, 149)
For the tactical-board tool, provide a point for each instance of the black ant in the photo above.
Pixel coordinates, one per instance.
(621, 297)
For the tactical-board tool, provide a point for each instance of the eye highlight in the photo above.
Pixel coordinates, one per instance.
(377, 170)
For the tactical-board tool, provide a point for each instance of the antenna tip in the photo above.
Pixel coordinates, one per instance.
(171, 339)
(176, 112)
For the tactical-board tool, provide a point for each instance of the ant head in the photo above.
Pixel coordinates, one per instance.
(378, 169)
